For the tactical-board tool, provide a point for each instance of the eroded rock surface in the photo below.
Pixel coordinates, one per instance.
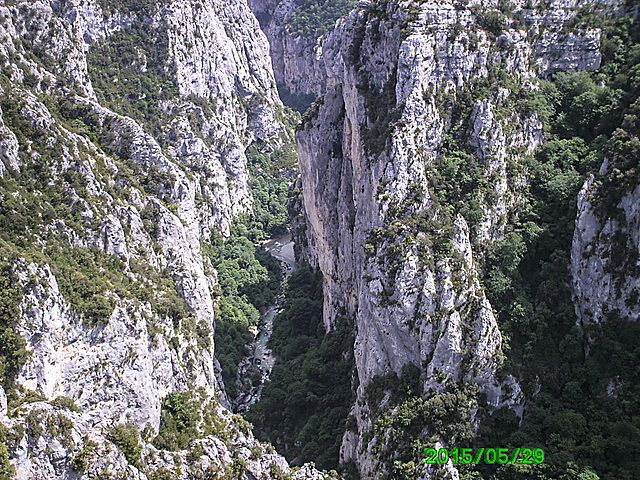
(110, 214)
(371, 158)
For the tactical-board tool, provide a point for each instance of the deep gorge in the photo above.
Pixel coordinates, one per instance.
(461, 183)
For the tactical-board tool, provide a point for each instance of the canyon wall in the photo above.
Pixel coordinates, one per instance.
(409, 87)
(124, 129)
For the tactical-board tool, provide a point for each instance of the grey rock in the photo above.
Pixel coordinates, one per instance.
(297, 60)
(3, 403)
(603, 287)
(410, 302)
(119, 370)
(8, 148)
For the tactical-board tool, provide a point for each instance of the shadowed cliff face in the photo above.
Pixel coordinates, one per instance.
(604, 258)
(297, 57)
(415, 93)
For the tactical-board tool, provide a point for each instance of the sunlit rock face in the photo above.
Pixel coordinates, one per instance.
(393, 257)
(131, 200)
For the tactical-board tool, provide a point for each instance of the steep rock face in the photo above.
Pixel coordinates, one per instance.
(297, 59)
(410, 87)
(233, 66)
(213, 51)
(104, 217)
(8, 149)
(605, 263)
(101, 368)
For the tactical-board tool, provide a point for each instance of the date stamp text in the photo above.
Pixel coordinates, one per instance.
(469, 456)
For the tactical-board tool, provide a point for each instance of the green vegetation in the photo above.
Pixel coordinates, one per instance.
(86, 274)
(7, 472)
(457, 179)
(490, 20)
(12, 346)
(187, 416)
(130, 72)
(33, 422)
(61, 427)
(10, 437)
(583, 395)
(179, 421)
(80, 462)
(137, 7)
(82, 282)
(271, 174)
(313, 18)
(304, 405)
(9, 440)
(127, 438)
(249, 280)
(399, 426)
(621, 52)
(162, 474)
(65, 402)
(399, 388)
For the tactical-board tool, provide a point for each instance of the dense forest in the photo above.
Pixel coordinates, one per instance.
(570, 414)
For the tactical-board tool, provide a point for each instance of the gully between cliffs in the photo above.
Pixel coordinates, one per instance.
(281, 248)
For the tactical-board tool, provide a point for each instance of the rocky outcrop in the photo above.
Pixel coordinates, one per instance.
(118, 373)
(605, 264)
(103, 368)
(8, 149)
(410, 87)
(298, 63)
(214, 51)
(87, 380)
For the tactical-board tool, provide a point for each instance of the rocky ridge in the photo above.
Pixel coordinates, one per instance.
(604, 257)
(408, 86)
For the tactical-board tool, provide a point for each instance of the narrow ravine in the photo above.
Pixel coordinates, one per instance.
(280, 248)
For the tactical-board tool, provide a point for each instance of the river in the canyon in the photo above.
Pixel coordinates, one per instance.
(282, 249)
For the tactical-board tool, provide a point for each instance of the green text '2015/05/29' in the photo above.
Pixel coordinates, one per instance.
(466, 456)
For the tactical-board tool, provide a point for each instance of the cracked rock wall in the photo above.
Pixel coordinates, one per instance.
(144, 199)
(605, 257)
(392, 257)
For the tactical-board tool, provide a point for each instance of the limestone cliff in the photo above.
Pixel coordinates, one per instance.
(297, 59)
(123, 137)
(410, 89)
(605, 263)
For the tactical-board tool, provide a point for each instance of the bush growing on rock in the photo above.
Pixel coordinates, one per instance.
(127, 438)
